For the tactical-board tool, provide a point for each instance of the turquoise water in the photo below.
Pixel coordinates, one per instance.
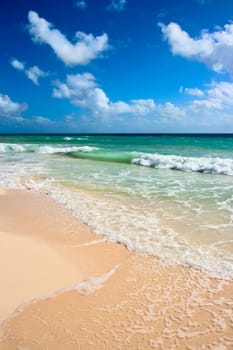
(170, 196)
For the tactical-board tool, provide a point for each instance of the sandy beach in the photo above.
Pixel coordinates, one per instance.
(63, 287)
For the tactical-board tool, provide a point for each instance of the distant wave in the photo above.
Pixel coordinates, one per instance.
(210, 165)
(67, 138)
(51, 149)
(45, 149)
(5, 148)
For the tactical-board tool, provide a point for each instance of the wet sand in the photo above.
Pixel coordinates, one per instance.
(63, 287)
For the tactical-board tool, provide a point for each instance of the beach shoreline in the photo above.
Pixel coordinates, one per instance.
(72, 289)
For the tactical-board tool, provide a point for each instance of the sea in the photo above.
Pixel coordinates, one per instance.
(170, 196)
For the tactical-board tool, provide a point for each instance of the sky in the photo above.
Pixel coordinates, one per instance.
(116, 66)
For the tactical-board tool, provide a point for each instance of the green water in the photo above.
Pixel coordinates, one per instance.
(171, 196)
(179, 145)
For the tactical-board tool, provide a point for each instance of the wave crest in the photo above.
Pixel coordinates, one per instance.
(51, 150)
(45, 149)
(203, 164)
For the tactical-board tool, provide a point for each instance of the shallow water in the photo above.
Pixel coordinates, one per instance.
(167, 196)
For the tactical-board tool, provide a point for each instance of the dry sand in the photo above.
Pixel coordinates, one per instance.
(62, 287)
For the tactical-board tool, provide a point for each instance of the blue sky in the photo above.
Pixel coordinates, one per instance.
(116, 66)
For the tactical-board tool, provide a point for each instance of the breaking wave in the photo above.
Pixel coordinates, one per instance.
(52, 150)
(208, 165)
(45, 149)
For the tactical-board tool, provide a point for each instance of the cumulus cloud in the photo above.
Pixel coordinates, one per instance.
(219, 97)
(191, 91)
(17, 64)
(86, 46)
(117, 5)
(214, 49)
(168, 111)
(209, 110)
(83, 91)
(32, 73)
(81, 4)
(8, 108)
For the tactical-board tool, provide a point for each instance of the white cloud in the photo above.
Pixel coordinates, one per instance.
(8, 108)
(169, 113)
(117, 5)
(34, 73)
(17, 64)
(211, 110)
(69, 118)
(81, 4)
(219, 97)
(83, 91)
(182, 44)
(191, 91)
(42, 120)
(86, 46)
(214, 49)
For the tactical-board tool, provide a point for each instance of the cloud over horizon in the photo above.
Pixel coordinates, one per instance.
(9, 108)
(83, 91)
(219, 96)
(177, 78)
(85, 49)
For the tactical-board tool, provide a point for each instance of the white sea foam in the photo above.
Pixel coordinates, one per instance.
(92, 284)
(140, 225)
(144, 232)
(67, 138)
(5, 148)
(52, 149)
(131, 226)
(46, 149)
(202, 164)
